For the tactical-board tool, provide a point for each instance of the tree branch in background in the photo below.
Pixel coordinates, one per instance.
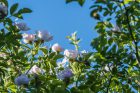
(131, 33)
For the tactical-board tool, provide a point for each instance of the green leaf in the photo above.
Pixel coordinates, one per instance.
(59, 89)
(81, 2)
(24, 10)
(13, 8)
(68, 1)
(18, 15)
(75, 90)
(52, 55)
(44, 50)
(114, 70)
(127, 1)
(106, 13)
(58, 56)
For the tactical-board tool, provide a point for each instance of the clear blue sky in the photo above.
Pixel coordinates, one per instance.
(60, 19)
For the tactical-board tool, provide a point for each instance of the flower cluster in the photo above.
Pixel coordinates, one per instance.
(72, 54)
(42, 35)
(23, 79)
(31, 65)
(28, 38)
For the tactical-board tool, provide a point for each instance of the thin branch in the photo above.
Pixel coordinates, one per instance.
(131, 33)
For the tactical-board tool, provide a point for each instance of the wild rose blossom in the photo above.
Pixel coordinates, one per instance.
(22, 79)
(27, 38)
(57, 48)
(3, 9)
(66, 73)
(72, 54)
(36, 70)
(22, 26)
(44, 35)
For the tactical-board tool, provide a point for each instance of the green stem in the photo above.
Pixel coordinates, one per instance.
(77, 80)
(76, 47)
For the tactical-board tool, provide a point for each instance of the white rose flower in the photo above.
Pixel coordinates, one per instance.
(27, 38)
(72, 54)
(22, 79)
(22, 26)
(36, 70)
(56, 48)
(44, 35)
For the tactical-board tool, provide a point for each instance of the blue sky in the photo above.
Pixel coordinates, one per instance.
(60, 19)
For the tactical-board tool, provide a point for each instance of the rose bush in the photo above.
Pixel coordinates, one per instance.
(28, 65)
